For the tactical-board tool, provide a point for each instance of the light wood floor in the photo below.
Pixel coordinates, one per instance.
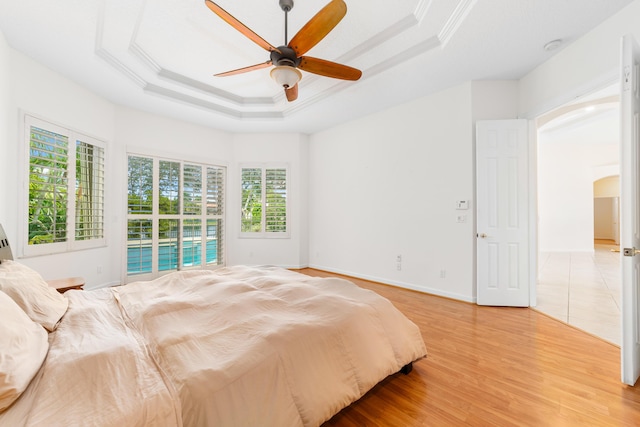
(489, 366)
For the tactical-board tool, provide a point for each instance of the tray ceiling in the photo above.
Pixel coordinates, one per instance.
(160, 55)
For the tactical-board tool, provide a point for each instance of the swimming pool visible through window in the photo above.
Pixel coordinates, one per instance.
(175, 215)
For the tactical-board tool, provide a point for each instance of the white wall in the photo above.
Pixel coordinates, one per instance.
(604, 218)
(43, 93)
(568, 160)
(495, 100)
(5, 118)
(289, 149)
(148, 134)
(386, 185)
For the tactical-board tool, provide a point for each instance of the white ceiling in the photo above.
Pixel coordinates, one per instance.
(160, 55)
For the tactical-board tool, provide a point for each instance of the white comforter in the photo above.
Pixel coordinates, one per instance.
(239, 346)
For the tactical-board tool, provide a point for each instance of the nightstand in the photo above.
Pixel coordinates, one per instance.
(63, 285)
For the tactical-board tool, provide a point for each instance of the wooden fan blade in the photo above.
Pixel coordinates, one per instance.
(227, 17)
(292, 93)
(329, 69)
(244, 69)
(318, 27)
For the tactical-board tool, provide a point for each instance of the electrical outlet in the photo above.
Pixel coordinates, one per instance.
(399, 263)
(443, 273)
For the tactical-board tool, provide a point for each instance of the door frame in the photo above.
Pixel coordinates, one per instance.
(608, 79)
(533, 212)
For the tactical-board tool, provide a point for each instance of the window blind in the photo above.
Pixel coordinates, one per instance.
(264, 202)
(64, 209)
(276, 200)
(192, 190)
(89, 191)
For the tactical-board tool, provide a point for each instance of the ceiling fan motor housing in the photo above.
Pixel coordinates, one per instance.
(285, 56)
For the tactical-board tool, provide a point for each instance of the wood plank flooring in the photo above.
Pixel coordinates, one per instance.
(489, 366)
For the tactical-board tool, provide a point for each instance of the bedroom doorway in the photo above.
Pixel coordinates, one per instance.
(578, 147)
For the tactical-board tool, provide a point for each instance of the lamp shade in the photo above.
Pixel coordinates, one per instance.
(286, 76)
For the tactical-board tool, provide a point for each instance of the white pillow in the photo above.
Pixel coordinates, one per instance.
(23, 347)
(42, 303)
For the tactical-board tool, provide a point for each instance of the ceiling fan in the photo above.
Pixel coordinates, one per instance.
(288, 58)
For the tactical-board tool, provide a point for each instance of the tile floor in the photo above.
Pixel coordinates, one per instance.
(583, 289)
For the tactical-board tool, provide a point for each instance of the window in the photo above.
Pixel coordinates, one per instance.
(175, 215)
(66, 189)
(264, 202)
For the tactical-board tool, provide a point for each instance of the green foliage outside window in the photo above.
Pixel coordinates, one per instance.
(264, 200)
(48, 187)
(187, 227)
(251, 200)
(65, 206)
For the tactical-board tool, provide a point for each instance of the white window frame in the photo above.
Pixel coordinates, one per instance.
(71, 244)
(155, 216)
(267, 234)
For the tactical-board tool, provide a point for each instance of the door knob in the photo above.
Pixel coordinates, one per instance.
(630, 251)
(483, 236)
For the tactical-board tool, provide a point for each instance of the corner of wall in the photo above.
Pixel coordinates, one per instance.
(8, 126)
(494, 99)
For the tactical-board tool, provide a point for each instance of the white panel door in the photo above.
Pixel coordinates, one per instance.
(502, 189)
(630, 210)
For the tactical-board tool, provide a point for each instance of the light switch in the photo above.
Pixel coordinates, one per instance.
(462, 204)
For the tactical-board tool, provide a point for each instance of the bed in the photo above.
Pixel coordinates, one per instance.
(237, 346)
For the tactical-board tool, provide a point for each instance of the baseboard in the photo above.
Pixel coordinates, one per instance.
(399, 284)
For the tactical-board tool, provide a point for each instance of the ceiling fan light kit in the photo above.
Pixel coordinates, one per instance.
(288, 58)
(286, 75)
